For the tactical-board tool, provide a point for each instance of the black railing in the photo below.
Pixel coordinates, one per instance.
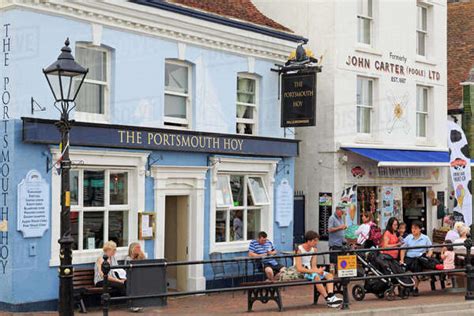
(345, 281)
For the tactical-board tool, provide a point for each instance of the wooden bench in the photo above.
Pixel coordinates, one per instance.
(272, 293)
(83, 283)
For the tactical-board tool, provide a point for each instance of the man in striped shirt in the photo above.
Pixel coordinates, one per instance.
(262, 247)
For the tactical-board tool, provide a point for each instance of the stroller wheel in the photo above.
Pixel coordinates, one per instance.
(404, 292)
(380, 295)
(390, 294)
(358, 293)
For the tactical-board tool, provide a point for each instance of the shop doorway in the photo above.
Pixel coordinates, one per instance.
(176, 240)
(414, 206)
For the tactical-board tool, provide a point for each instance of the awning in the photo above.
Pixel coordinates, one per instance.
(403, 158)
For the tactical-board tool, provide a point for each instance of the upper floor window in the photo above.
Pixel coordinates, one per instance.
(421, 30)
(92, 100)
(422, 100)
(364, 22)
(246, 121)
(365, 96)
(177, 108)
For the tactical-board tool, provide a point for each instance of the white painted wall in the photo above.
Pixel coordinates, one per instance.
(331, 27)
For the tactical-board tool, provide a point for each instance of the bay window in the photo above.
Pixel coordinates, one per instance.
(239, 202)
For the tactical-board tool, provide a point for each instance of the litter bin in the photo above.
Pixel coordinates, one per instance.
(147, 280)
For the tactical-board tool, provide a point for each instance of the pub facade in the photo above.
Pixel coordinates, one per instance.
(176, 141)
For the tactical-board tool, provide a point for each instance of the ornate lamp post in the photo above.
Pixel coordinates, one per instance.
(65, 78)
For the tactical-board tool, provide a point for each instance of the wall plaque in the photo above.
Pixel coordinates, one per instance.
(284, 204)
(33, 205)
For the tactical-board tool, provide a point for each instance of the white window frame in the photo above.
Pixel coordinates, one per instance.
(365, 106)
(261, 168)
(419, 14)
(96, 117)
(102, 159)
(174, 122)
(421, 89)
(106, 208)
(370, 18)
(255, 105)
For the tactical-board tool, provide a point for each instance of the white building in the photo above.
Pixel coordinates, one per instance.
(381, 105)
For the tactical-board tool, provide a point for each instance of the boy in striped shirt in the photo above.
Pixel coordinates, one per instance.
(262, 247)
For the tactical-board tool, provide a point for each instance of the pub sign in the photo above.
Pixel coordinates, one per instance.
(298, 99)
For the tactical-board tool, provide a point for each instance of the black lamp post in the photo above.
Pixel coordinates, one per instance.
(65, 78)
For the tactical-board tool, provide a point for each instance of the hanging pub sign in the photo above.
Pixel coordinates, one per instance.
(298, 99)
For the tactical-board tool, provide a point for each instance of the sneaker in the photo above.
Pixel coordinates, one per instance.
(136, 309)
(415, 292)
(334, 301)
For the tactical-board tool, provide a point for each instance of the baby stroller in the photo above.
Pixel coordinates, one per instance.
(378, 264)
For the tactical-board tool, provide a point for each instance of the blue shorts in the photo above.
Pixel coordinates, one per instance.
(311, 276)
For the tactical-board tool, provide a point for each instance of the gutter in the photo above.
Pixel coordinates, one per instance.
(163, 5)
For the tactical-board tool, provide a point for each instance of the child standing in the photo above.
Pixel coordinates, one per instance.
(447, 255)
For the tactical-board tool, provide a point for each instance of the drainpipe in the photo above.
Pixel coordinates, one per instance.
(467, 119)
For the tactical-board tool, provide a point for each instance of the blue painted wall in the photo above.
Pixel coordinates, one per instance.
(136, 98)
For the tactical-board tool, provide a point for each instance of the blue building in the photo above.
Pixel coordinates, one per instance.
(177, 128)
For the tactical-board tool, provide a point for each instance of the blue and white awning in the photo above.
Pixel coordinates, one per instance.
(403, 158)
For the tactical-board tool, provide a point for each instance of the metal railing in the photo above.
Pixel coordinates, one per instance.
(344, 281)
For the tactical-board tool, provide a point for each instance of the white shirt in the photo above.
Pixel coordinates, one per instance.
(306, 260)
(363, 233)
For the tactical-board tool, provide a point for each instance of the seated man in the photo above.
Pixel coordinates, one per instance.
(308, 266)
(262, 247)
(410, 256)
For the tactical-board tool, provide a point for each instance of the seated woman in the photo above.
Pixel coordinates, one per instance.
(390, 238)
(116, 283)
(134, 253)
(464, 231)
(308, 266)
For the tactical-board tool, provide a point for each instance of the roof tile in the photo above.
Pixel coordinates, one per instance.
(243, 10)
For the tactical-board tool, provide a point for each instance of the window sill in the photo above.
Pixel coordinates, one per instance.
(367, 139)
(367, 49)
(424, 60)
(88, 256)
(423, 141)
(230, 247)
(90, 117)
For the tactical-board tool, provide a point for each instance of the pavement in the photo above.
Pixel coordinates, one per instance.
(298, 301)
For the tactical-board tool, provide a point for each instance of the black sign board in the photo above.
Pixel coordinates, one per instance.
(298, 99)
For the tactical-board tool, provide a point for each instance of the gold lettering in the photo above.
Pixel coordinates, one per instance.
(150, 137)
(194, 141)
(215, 143)
(139, 137)
(297, 104)
(241, 142)
(186, 141)
(121, 136)
(298, 84)
(226, 143)
(165, 140)
(154, 139)
(173, 136)
(130, 137)
(202, 142)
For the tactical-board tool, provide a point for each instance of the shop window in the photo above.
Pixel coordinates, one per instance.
(177, 107)
(421, 30)
(99, 208)
(365, 92)
(422, 100)
(92, 100)
(239, 207)
(364, 22)
(246, 121)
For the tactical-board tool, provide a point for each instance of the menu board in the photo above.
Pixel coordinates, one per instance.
(325, 210)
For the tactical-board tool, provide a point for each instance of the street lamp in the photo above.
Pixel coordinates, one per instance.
(65, 78)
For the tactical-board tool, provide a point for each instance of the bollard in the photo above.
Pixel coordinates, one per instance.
(345, 293)
(469, 271)
(105, 298)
